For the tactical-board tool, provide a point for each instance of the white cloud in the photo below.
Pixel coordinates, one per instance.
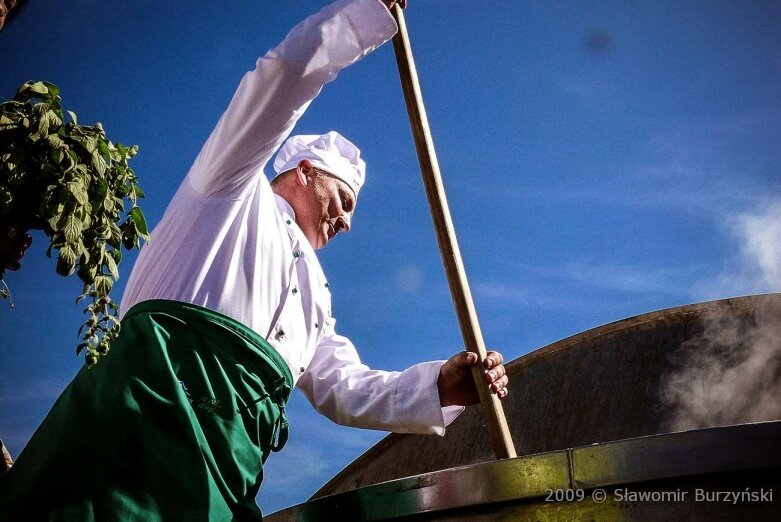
(756, 266)
(760, 233)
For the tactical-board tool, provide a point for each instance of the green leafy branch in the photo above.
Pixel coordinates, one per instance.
(71, 181)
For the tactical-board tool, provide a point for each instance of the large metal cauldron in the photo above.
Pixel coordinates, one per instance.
(601, 393)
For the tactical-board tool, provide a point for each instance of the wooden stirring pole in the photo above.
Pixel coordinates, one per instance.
(499, 433)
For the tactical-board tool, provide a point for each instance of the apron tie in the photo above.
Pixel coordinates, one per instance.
(280, 395)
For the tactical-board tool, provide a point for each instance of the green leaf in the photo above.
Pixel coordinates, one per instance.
(98, 163)
(104, 149)
(79, 191)
(84, 253)
(101, 188)
(66, 261)
(87, 273)
(110, 205)
(105, 232)
(79, 185)
(55, 141)
(138, 218)
(115, 240)
(55, 120)
(72, 230)
(128, 240)
(91, 144)
(112, 266)
(38, 88)
(103, 284)
(73, 156)
(53, 89)
(43, 127)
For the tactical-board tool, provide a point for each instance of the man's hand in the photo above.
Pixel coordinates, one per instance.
(5, 458)
(390, 3)
(13, 242)
(456, 386)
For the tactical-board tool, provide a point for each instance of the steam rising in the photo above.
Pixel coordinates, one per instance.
(731, 372)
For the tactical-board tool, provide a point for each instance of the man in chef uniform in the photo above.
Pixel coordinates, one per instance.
(227, 309)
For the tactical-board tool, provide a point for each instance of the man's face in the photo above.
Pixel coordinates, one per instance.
(5, 8)
(325, 208)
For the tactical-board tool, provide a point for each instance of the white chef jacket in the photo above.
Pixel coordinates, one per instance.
(228, 243)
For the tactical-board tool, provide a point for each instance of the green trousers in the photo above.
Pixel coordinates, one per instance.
(174, 423)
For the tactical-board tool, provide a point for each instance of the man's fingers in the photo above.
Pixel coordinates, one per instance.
(493, 359)
(499, 384)
(495, 374)
(390, 3)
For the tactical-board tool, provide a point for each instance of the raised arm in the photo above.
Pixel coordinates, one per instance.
(348, 392)
(424, 398)
(271, 98)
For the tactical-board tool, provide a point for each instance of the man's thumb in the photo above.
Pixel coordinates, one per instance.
(465, 359)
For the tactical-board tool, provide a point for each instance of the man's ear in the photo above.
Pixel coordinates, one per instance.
(304, 171)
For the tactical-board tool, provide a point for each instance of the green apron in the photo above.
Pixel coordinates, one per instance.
(174, 423)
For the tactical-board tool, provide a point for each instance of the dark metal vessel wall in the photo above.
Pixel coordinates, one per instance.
(598, 386)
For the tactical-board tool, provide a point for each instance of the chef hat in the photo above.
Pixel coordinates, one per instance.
(330, 152)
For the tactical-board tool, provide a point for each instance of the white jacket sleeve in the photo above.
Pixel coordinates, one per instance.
(271, 98)
(350, 393)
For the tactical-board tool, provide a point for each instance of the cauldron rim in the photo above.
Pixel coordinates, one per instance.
(740, 447)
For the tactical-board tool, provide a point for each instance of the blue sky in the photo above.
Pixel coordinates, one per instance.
(601, 160)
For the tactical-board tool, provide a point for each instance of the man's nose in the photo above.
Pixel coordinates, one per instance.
(343, 222)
